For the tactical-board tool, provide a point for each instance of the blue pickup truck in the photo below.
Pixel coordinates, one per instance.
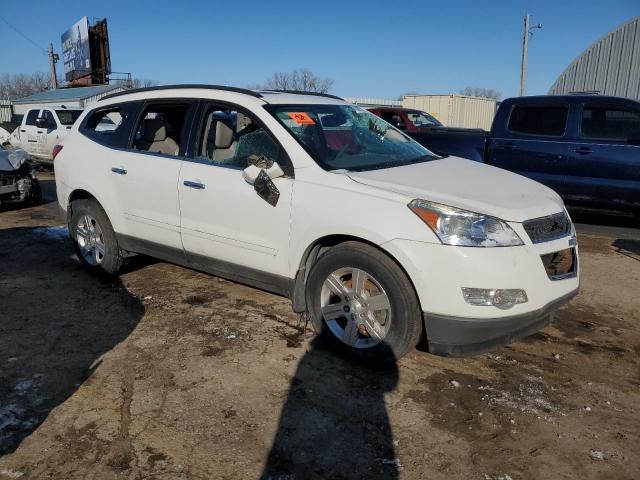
(585, 147)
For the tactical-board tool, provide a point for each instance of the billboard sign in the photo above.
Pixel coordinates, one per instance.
(76, 56)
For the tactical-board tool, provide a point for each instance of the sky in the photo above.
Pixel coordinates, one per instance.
(369, 48)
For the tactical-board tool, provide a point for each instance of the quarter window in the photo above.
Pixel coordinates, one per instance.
(549, 121)
(111, 125)
(610, 123)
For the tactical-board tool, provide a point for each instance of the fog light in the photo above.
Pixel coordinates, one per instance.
(501, 298)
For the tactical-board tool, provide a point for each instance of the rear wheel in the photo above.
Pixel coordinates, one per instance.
(93, 237)
(362, 302)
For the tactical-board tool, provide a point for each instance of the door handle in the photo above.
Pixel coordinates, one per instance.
(508, 146)
(194, 184)
(39, 131)
(23, 131)
(582, 150)
(119, 170)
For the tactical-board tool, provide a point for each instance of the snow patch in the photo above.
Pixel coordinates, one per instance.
(530, 397)
(20, 411)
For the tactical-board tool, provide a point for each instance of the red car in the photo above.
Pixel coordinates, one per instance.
(406, 119)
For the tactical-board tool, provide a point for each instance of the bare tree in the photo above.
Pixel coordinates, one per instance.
(302, 79)
(20, 85)
(140, 83)
(481, 92)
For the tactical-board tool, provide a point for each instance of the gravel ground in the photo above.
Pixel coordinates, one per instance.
(166, 373)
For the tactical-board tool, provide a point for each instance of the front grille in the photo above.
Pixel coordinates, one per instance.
(559, 265)
(545, 229)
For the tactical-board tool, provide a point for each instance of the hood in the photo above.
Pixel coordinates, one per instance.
(467, 185)
(12, 159)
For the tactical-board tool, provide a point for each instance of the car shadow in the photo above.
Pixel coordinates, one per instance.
(602, 218)
(334, 423)
(56, 322)
(627, 247)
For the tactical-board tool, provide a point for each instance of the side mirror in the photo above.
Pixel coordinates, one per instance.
(262, 182)
(41, 122)
(251, 173)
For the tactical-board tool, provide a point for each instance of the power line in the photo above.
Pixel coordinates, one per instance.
(43, 50)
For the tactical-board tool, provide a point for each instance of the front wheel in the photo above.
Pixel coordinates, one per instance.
(35, 195)
(362, 302)
(93, 237)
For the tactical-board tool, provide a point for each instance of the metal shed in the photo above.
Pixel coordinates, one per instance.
(79, 97)
(611, 66)
(455, 110)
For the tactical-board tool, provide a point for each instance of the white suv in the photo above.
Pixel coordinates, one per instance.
(305, 195)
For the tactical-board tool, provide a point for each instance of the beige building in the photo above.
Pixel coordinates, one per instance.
(455, 110)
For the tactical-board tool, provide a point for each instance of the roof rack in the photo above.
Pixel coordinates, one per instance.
(183, 86)
(303, 92)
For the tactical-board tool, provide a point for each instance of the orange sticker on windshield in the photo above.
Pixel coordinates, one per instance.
(301, 118)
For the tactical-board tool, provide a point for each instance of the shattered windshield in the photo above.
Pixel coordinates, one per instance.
(348, 137)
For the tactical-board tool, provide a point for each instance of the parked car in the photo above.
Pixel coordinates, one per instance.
(42, 129)
(366, 231)
(585, 147)
(18, 182)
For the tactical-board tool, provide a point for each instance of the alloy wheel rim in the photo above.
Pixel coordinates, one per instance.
(90, 240)
(355, 307)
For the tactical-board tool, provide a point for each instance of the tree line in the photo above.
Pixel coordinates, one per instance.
(14, 86)
(18, 85)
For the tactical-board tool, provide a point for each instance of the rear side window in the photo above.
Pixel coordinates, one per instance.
(548, 121)
(110, 125)
(610, 123)
(163, 128)
(68, 117)
(394, 119)
(31, 117)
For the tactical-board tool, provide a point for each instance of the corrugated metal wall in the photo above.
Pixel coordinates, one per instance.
(611, 66)
(6, 111)
(455, 110)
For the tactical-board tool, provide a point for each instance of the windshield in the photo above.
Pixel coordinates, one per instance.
(422, 119)
(67, 117)
(348, 137)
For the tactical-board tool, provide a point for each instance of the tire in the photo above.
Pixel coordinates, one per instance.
(94, 240)
(382, 335)
(35, 196)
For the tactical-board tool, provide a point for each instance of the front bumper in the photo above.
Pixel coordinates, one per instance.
(457, 337)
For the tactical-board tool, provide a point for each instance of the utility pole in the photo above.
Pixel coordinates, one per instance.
(53, 58)
(525, 46)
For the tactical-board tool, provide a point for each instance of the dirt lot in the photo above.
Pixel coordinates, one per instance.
(168, 373)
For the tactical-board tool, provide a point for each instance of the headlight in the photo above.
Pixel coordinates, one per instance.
(461, 227)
